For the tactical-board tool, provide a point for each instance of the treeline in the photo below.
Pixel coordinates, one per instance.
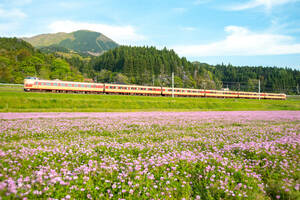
(18, 59)
(272, 79)
(150, 66)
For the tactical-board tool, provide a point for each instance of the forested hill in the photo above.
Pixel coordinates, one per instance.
(83, 42)
(138, 65)
(147, 65)
(19, 59)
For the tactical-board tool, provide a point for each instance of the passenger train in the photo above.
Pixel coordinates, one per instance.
(32, 84)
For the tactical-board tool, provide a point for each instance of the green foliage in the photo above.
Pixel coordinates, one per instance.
(18, 59)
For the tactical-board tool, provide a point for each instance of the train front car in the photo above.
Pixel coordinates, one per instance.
(54, 86)
(69, 87)
(29, 83)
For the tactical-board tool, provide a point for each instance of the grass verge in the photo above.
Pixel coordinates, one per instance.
(14, 100)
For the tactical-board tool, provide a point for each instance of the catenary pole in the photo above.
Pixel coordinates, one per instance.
(172, 84)
(259, 89)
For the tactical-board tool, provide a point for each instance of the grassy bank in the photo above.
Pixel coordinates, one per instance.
(15, 100)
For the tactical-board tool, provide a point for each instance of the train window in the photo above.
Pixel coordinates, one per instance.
(49, 84)
(55, 84)
(75, 85)
(70, 85)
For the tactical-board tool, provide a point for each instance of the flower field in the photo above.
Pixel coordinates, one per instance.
(151, 155)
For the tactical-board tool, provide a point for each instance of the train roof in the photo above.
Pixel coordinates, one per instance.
(132, 85)
(67, 81)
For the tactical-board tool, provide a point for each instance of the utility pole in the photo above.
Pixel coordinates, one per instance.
(259, 89)
(172, 84)
(297, 88)
(153, 79)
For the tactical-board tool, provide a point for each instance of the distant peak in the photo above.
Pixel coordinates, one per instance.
(84, 30)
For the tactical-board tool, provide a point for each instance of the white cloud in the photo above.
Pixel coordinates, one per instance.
(121, 34)
(268, 4)
(8, 29)
(12, 14)
(242, 42)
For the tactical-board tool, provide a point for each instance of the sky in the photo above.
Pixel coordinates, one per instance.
(239, 32)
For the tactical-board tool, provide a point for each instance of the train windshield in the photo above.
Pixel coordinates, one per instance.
(32, 78)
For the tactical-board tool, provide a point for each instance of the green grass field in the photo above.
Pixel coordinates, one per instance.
(13, 99)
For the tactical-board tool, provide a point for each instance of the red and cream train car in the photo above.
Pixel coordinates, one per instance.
(132, 89)
(34, 84)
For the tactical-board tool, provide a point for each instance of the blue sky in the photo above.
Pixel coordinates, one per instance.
(240, 32)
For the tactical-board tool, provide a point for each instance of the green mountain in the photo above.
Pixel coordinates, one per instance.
(82, 42)
(19, 59)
